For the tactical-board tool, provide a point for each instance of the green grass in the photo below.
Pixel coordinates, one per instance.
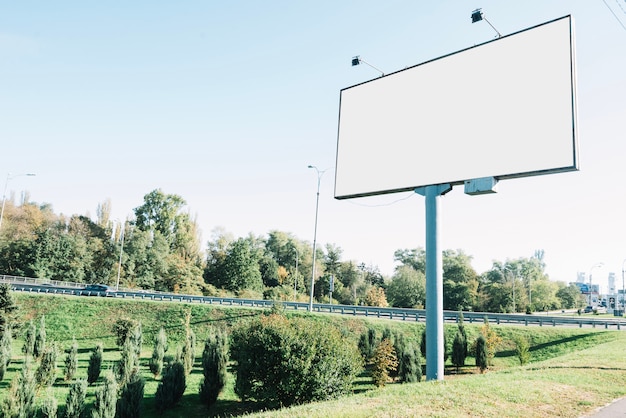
(571, 371)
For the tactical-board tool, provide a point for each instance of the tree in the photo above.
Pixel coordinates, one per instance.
(460, 281)
(214, 362)
(376, 297)
(383, 362)
(481, 354)
(29, 339)
(459, 350)
(241, 268)
(570, 296)
(106, 398)
(95, 364)
(71, 361)
(126, 366)
(6, 343)
(159, 212)
(49, 406)
(75, 401)
(409, 364)
(20, 401)
(40, 338)
(407, 288)
(160, 347)
(8, 308)
(46, 373)
(171, 388)
(131, 397)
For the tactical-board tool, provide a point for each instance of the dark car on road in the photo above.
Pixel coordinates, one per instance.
(96, 290)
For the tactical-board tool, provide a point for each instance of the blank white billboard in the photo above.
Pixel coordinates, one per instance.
(504, 109)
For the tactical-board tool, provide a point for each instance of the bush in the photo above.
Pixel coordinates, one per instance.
(29, 339)
(131, 397)
(214, 362)
(95, 364)
(71, 361)
(481, 353)
(125, 367)
(160, 347)
(522, 349)
(383, 362)
(20, 401)
(75, 402)
(40, 338)
(409, 364)
(49, 406)
(171, 388)
(280, 361)
(106, 398)
(46, 373)
(6, 343)
(459, 350)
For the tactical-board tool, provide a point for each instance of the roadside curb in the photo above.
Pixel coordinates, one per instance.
(615, 409)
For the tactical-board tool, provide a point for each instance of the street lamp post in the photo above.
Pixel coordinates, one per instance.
(590, 277)
(295, 276)
(4, 194)
(317, 202)
(119, 267)
(623, 290)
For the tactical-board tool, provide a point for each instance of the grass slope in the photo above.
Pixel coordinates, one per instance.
(572, 371)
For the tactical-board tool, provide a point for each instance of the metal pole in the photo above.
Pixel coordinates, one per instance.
(623, 290)
(434, 283)
(119, 267)
(295, 277)
(317, 203)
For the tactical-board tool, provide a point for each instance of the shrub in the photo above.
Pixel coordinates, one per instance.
(214, 361)
(49, 406)
(409, 364)
(71, 361)
(160, 347)
(383, 362)
(492, 341)
(46, 373)
(125, 367)
(481, 353)
(123, 330)
(131, 397)
(75, 401)
(459, 350)
(282, 361)
(95, 364)
(106, 398)
(171, 388)
(29, 339)
(522, 349)
(40, 338)
(6, 343)
(20, 401)
(189, 351)
(8, 308)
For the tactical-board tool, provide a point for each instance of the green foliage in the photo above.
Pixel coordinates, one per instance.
(492, 340)
(160, 347)
(383, 362)
(522, 349)
(407, 288)
(20, 401)
(6, 348)
(124, 328)
(171, 388)
(409, 364)
(75, 402)
(189, 351)
(40, 338)
(282, 361)
(49, 406)
(364, 346)
(46, 373)
(106, 398)
(95, 364)
(459, 350)
(131, 397)
(126, 366)
(29, 339)
(481, 353)
(214, 363)
(8, 308)
(71, 361)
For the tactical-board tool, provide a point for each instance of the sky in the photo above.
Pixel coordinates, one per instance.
(227, 103)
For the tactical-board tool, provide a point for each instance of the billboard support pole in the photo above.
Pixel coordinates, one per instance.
(434, 282)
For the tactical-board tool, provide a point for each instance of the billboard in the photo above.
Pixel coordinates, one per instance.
(504, 109)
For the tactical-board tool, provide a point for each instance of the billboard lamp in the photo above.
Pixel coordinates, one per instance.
(477, 16)
(358, 60)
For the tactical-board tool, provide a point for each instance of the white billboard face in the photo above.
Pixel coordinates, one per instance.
(501, 109)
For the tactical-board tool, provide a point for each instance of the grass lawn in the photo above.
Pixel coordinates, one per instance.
(572, 371)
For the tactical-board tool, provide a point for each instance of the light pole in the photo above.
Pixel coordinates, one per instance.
(295, 276)
(119, 267)
(317, 203)
(4, 194)
(590, 277)
(623, 305)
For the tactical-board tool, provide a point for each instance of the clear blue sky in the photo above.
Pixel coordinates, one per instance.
(226, 103)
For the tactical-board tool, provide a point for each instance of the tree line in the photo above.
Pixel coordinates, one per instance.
(159, 248)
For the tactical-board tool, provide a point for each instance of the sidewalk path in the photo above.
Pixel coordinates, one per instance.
(616, 409)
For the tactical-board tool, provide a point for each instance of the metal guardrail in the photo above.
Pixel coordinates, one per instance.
(404, 314)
